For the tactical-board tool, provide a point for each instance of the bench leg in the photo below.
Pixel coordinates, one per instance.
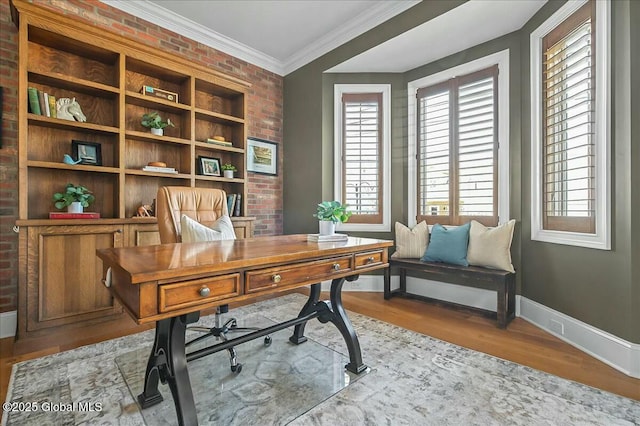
(403, 281)
(506, 301)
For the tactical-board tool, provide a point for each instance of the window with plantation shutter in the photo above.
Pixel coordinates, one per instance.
(457, 150)
(362, 143)
(570, 126)
(362, 151)
(568, 158)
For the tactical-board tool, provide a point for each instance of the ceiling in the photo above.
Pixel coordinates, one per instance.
(283, 35)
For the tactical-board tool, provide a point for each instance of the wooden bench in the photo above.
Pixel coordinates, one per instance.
(471, 276)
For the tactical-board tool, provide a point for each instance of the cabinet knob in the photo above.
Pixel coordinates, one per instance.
(276, 278)
(370, 259)
(336, 266)
(204, 291)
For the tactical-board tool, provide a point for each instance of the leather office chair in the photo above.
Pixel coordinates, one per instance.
(206, 206)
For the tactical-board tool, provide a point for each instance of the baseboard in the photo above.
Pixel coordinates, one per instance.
(620, 354)
(8, 323)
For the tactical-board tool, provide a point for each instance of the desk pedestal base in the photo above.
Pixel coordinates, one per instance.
(168, 360)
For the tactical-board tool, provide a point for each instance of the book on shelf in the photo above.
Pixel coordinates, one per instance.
(327, 238)
(34, 103)
(231, 201)
(238, 206)
(66, 215)
(47, 108)
(159, 169)
(43, 110)
(52, 107)
(217, 142)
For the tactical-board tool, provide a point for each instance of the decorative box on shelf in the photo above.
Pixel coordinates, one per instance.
(66, 215)
(159, 93)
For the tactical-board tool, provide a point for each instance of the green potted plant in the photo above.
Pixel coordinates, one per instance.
(228, 170)
(329, 213)
(154, 121)
(75, 198)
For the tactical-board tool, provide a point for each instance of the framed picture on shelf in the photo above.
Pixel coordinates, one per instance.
(262, 156)
(87, 152)
(209, 166)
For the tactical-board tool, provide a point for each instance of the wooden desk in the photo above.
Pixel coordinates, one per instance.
(172, 283)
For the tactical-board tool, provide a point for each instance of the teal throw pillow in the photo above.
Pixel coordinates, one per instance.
(448, 245)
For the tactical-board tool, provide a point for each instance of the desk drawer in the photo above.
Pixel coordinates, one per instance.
(301, 274)
(194, 292)
(364, 260)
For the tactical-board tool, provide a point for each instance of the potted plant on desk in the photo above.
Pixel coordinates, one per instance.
(329, 213)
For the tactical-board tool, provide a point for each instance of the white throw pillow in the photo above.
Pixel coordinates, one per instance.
(491, 247)
(411, 242)
(193, 231)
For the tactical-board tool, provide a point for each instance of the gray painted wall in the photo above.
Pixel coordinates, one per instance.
(601, 288)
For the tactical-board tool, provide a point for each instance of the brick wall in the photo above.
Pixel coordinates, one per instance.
(264, 118)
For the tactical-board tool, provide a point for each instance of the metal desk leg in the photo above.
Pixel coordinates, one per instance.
(340, 319)
(169, 362)
(309, 307)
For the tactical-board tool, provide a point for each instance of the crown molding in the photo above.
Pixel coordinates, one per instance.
(165, 18)
(374, 16)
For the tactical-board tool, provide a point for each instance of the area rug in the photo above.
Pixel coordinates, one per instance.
(413, 380)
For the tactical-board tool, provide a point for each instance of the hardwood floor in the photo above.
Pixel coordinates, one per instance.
(521, 342)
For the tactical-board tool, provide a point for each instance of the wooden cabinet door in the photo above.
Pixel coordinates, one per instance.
(64, 278)
(142, 235)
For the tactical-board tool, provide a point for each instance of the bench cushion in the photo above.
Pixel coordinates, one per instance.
(448, 245)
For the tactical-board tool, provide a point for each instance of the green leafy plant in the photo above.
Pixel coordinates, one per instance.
(229, 166)
(154, 121)
(72, 194)
(333, 211)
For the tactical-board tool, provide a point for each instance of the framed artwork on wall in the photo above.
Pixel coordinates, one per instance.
(262, 156)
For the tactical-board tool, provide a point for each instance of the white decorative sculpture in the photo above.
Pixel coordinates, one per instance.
(69, 109)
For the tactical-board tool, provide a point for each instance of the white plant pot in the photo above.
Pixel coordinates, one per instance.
(75, 207)
(157, 132)
(228, 173)
(327, 227)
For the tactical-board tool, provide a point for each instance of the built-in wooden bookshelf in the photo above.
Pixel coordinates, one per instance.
(105, 73)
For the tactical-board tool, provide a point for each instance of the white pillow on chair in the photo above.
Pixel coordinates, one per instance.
(193, 231)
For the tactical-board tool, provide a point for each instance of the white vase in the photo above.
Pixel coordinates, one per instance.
(228, 173)
(75, 207)
(327, 227)
(157, 132)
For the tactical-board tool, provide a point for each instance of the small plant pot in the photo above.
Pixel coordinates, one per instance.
(327, 227)
(75, 207)
(228, 173)
(157, 132)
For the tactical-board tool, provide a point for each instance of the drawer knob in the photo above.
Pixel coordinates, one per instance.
(370, 259)
(336, 266)
(204, 291)
(276, 278)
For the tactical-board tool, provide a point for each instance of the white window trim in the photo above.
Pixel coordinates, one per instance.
(602, 238)
(502, 60)
(385, 89)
